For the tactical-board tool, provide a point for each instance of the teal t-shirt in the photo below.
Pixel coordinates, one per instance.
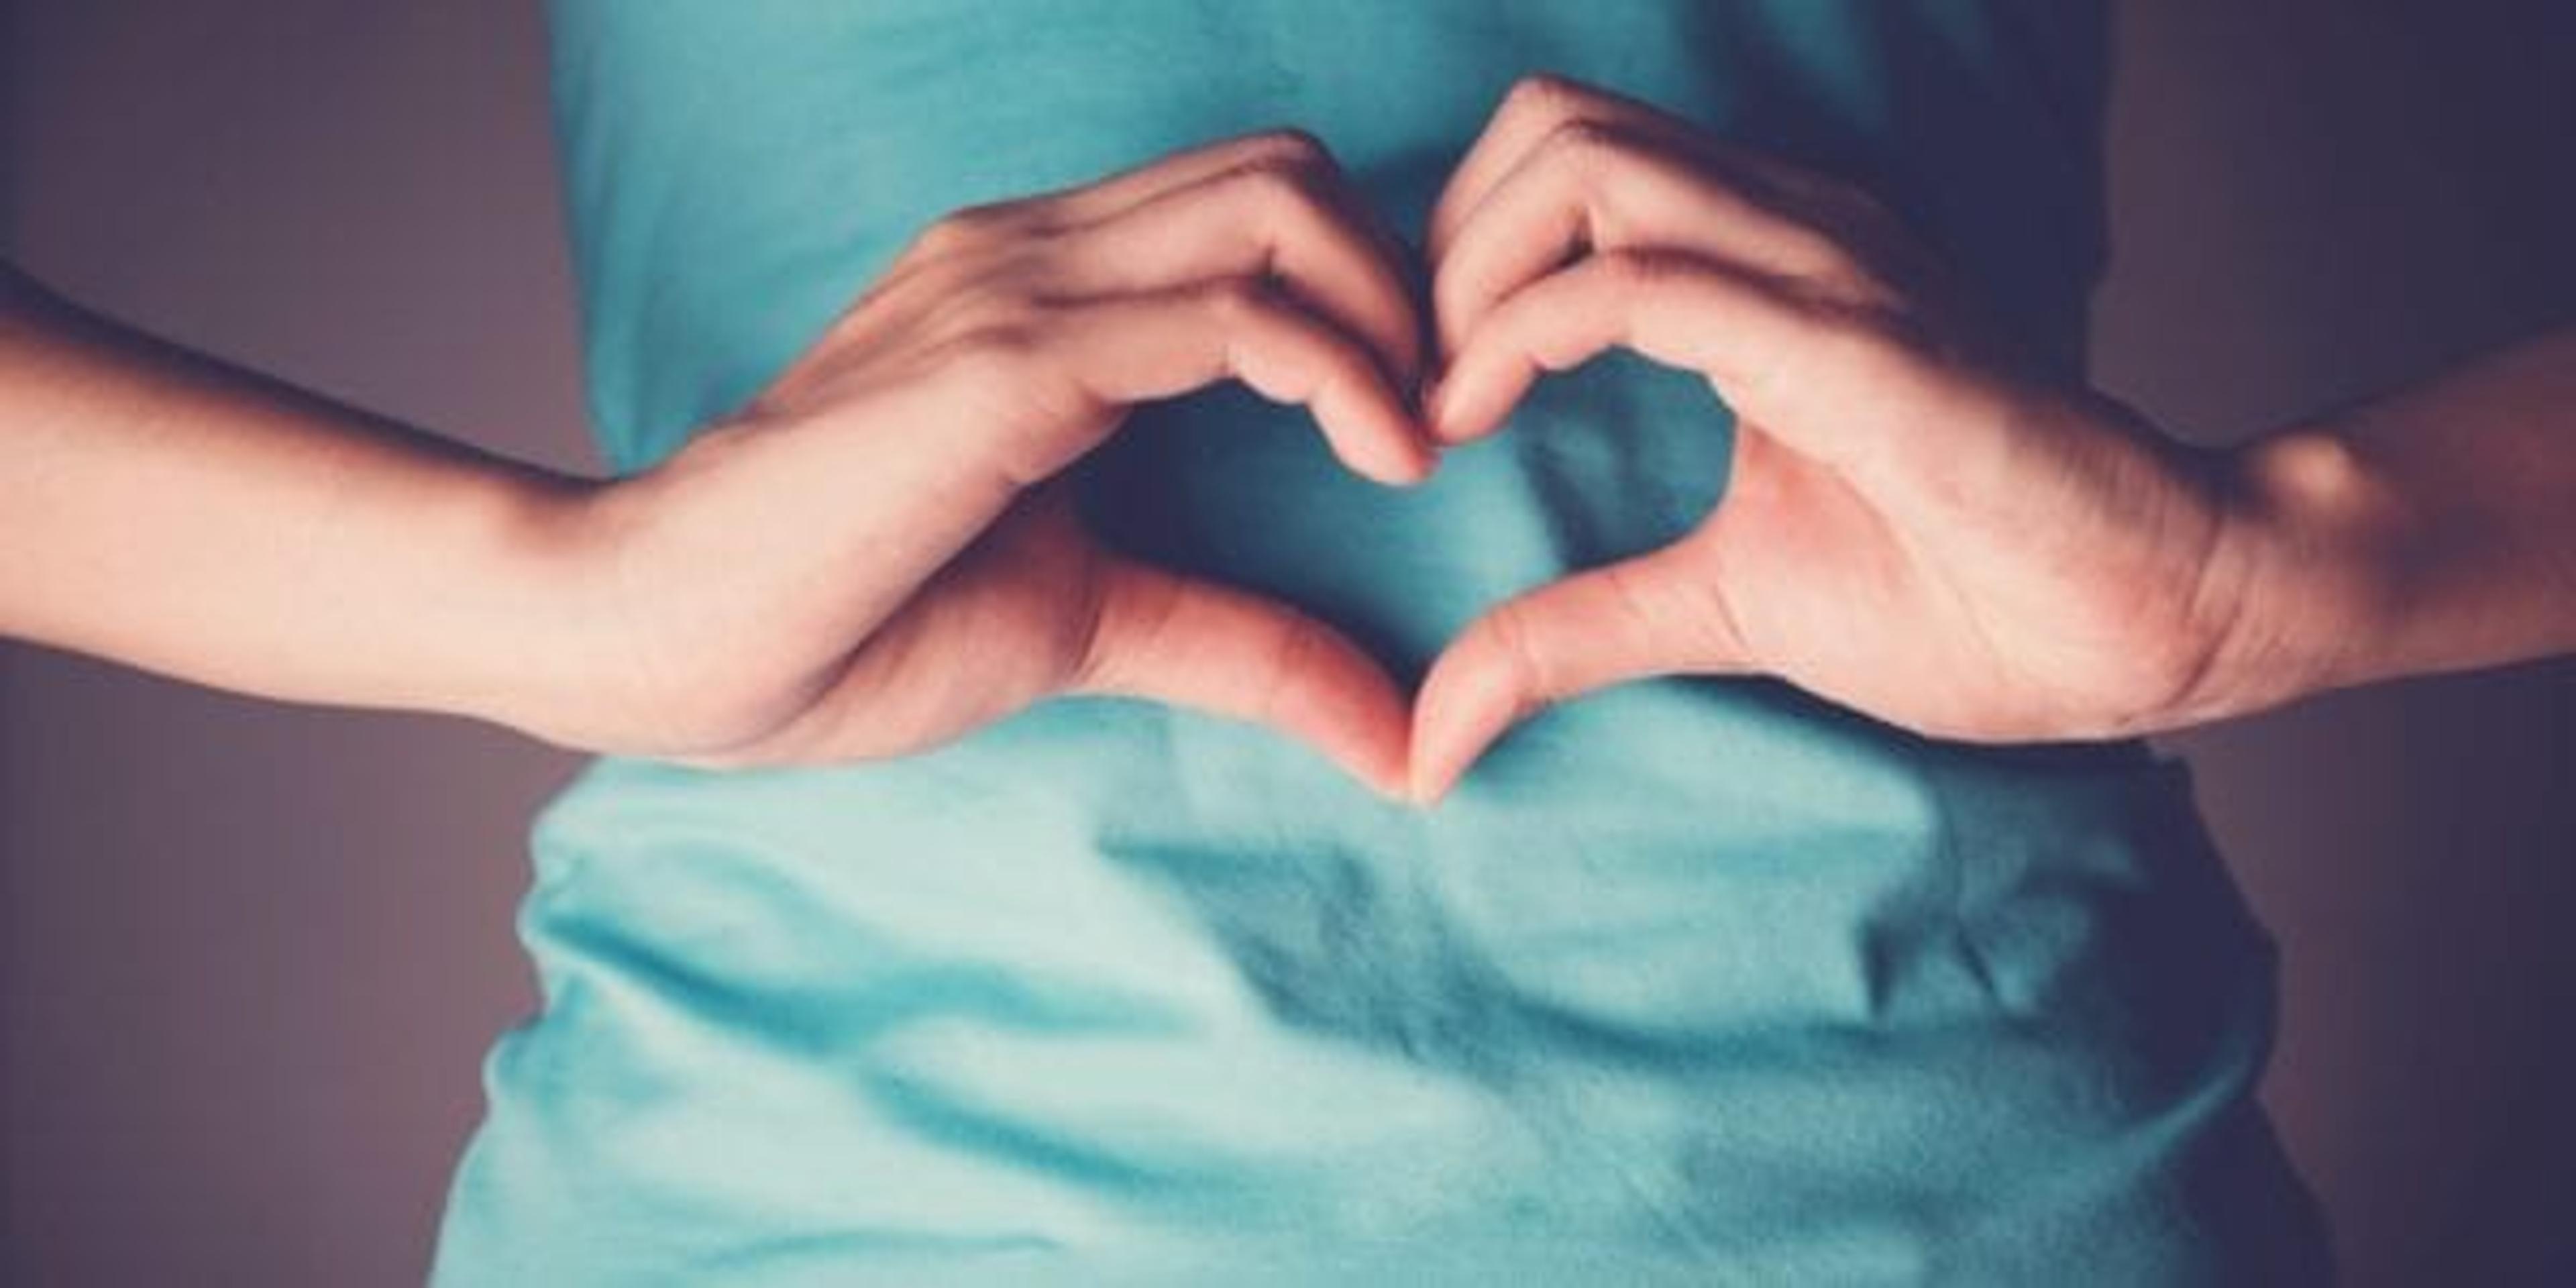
(1694, 980)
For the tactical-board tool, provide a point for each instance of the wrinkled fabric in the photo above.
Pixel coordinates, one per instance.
(1691, 981)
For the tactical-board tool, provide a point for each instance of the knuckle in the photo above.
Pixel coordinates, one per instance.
(1287, 145)
(964, 227)
(973, 310)
(1583, 140)
(1544, 96)
(999, 349)
(1282, 189)
(1587, 153)
(1013, 283)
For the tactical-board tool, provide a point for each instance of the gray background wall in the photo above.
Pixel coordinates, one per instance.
(252, 956)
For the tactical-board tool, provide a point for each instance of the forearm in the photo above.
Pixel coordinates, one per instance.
(169, 512)
(2432, 530)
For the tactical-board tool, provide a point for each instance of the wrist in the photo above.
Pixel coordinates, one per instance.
(545, 669)
(2303, 570)
(675, 645)
(607, 690)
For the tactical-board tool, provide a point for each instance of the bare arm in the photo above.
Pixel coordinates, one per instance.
(201, 521)
(2430, 530)
(867, 560)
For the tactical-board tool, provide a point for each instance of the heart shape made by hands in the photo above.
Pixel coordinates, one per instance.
(1597, 465)
(1884, 456)
(1921, 521)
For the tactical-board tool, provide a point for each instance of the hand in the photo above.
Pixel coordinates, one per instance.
(871, 558)
(1915, 525)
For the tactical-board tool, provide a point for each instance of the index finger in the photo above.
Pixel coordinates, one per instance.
(1540, 105)
(1534, 108)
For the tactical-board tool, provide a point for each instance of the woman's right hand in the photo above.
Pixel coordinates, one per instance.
(871, 559)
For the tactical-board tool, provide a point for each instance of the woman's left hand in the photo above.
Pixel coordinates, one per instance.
(1916, 525)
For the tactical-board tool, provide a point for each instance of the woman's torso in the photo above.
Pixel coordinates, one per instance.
(1695, 975)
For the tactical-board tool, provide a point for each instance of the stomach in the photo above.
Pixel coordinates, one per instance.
(1694, 973)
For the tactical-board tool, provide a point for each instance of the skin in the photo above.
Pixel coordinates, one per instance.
(1917, 525)
(866, 561)
(872, 557)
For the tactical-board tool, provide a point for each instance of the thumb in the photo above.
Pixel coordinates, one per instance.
(1659, 613)
(1196, 644)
